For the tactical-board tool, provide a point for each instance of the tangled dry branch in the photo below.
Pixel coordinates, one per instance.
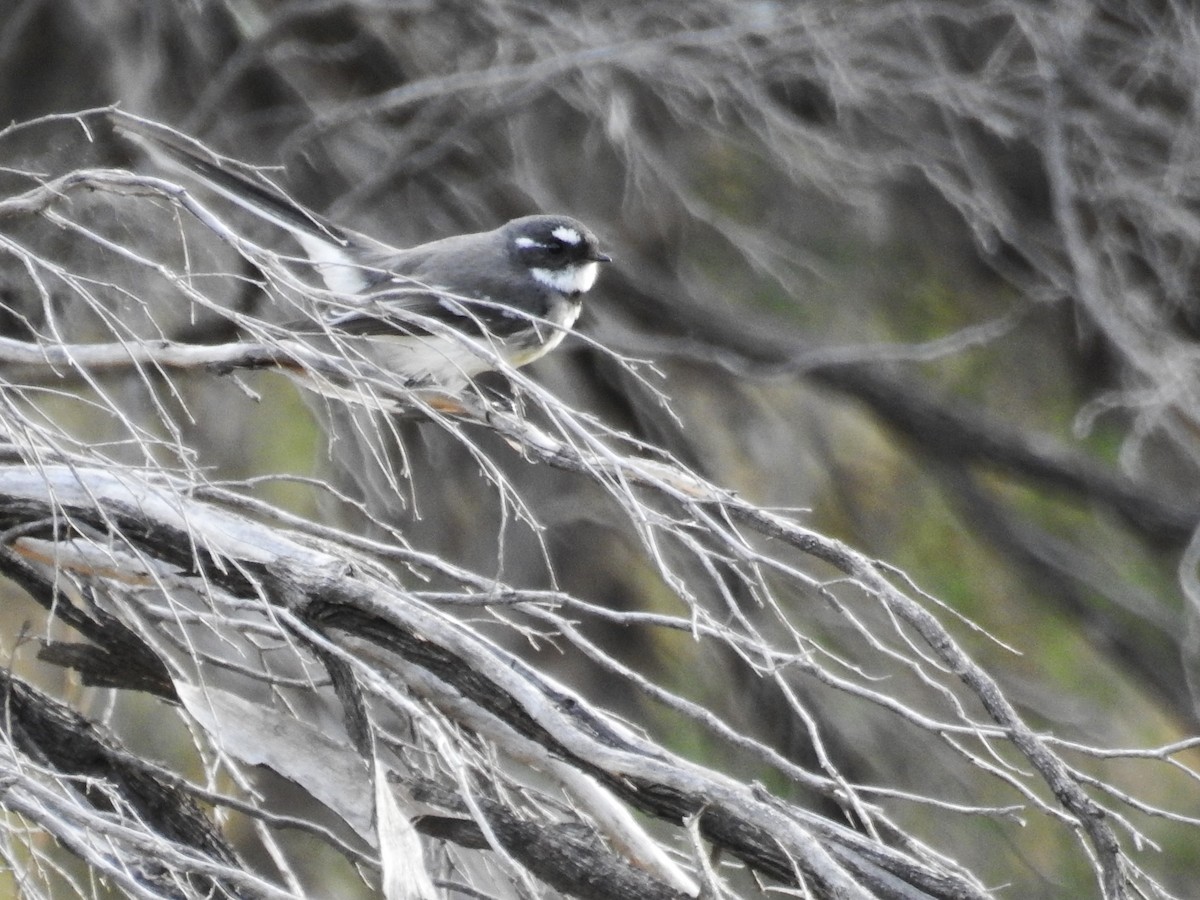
(412, 698)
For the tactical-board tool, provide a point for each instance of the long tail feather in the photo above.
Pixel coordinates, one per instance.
(329, 247)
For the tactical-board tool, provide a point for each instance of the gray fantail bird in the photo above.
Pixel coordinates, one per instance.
(435, 315)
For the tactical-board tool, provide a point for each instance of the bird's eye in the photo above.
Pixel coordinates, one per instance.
(554, 249)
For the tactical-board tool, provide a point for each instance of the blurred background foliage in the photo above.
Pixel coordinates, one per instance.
(926, 270)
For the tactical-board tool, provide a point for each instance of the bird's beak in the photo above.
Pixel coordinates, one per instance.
(600, 257)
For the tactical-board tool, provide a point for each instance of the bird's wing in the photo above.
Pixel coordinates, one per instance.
(341, 257)
(415, 312)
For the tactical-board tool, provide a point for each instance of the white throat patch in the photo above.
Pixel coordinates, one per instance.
(571, 280)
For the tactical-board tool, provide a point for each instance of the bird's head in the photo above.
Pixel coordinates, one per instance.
(560, 252)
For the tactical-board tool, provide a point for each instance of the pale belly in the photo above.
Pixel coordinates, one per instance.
(443, 364)
(546, 335)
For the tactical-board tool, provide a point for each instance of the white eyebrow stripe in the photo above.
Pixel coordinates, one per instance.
(525, 242)
(567, 235)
